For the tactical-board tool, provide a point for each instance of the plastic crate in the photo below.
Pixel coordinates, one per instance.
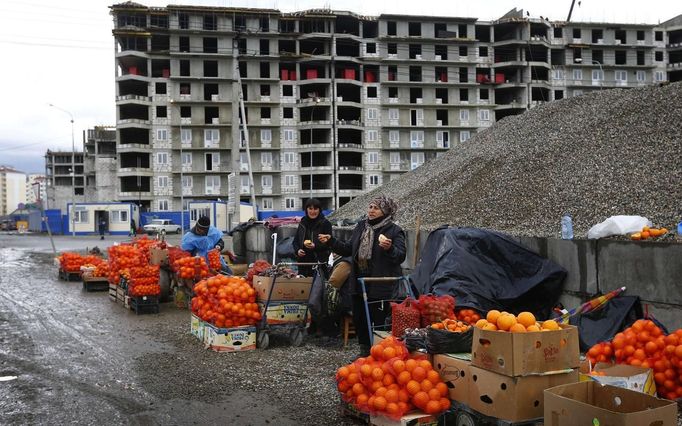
(144, 305)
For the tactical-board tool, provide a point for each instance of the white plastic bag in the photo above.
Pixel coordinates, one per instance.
(618, 225)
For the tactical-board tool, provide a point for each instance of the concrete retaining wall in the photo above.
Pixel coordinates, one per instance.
(652, 271)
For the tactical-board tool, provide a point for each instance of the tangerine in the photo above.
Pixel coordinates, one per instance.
(481, 323)
(426, 385)
(420, 399)
(379, 403)
(419, 373)
(377, 374)
(492, 316)
(517, 328)
(505, 322)
(389, 353)
(432, 407)
(413, 387)
(526, 319)
(550, 325)
(532, 328)
(392, 395)
(398, 366)
(392, 408)
(404, 377)
(366, 370)
(442, 388)
(433, 376)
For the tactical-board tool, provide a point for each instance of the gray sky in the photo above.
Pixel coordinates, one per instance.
(62, 52)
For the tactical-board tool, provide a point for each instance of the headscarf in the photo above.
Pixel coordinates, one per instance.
(388, 207)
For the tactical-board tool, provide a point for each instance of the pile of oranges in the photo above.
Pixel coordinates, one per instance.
(101, 270)
(225, 302)
(175, 253)
(143, 280)
(469, 316)
(214, 259)
(191, 268)
(144, 244)
(72, 262)
(521, 323)
(391, 382)
(647, 233)
(644, 344)
(455, 326)
(124, 257)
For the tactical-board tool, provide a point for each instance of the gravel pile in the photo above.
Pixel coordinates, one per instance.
(611, 152)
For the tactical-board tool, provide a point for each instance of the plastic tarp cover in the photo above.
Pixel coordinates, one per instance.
(487, 270)
(618, 225)
(601, 325)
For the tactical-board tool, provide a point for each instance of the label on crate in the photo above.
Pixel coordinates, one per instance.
(286, 313)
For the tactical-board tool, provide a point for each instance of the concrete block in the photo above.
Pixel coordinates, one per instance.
(578, 257)
(668, 315)
(258, 238)
(649, 270)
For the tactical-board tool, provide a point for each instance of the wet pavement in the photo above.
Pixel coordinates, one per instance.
(79, 358)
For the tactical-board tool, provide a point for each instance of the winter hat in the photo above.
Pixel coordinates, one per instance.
(203, 222)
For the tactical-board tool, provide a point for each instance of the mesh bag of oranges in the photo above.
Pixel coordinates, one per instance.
(645, 344)
(391, 382)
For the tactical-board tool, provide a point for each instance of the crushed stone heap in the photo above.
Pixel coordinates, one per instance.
(611, 152)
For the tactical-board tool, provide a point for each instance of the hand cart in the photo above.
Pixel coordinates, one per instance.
(402, 280)
(296, 328)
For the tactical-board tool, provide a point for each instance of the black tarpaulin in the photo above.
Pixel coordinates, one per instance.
(487, 270)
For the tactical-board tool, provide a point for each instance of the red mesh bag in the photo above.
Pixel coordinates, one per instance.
(436, 308)
(404, 315)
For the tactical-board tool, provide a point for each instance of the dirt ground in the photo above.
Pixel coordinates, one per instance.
(79, 358)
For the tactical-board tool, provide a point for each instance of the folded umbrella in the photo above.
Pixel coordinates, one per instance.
(590, 305)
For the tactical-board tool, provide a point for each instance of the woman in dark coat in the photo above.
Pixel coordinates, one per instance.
(306, 245)
(377, 248)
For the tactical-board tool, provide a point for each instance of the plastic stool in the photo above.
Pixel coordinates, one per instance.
(348, 329)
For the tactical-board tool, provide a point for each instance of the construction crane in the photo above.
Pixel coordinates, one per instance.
(570, 11)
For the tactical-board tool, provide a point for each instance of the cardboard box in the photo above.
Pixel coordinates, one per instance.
(235, 339)
(197, 327)
(285, 289)
(455, 370)
(158, 256)
(512, 398)
(238, 269)
(631, 377)
(520, 354)
(590, 403)
(414, 419)
(285, 313)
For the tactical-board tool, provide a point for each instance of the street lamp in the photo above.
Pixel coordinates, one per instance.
(603, 76)
(73, 171)
(316, 100)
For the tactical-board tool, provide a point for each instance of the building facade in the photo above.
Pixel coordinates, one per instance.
(64, 178)
(337, 104)
(100, 165)
(32, 182)
(12, 189)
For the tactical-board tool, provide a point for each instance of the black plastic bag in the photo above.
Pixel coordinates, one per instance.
(415, 339)
(447, 342)
(317, 296)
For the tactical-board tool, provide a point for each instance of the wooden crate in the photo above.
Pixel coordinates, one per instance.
(95, 283)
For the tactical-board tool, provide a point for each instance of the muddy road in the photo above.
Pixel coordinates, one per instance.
(70, 356)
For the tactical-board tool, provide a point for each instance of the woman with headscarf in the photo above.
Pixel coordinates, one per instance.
(305, 244)
(377, 249)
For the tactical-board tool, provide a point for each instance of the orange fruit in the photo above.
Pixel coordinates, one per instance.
(366, 370)
(434, 394)
(358, 388)
(404, 377)
(403, 395)
(419, 373)
(444, 404)
(398, 366)
(550, 325)
(490, 326)
(413, 387)
(492, 316)
(526, 319)
(426, 385)
(432, 407)
(392, 408)
(442, 388)
(410, 364)
(377, 373)
(353, 378)
(420, 399)
(343, 372)
(481, 323)
(505, 322)
(388, 380)
(517, 328)
(433, 376)
(532, 328)
(379, 403)
(425, 364)
(389, 353)
(391, 395)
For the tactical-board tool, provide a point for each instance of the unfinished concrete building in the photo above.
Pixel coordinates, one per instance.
(101, 165)
(64, 178)
(336, 103)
